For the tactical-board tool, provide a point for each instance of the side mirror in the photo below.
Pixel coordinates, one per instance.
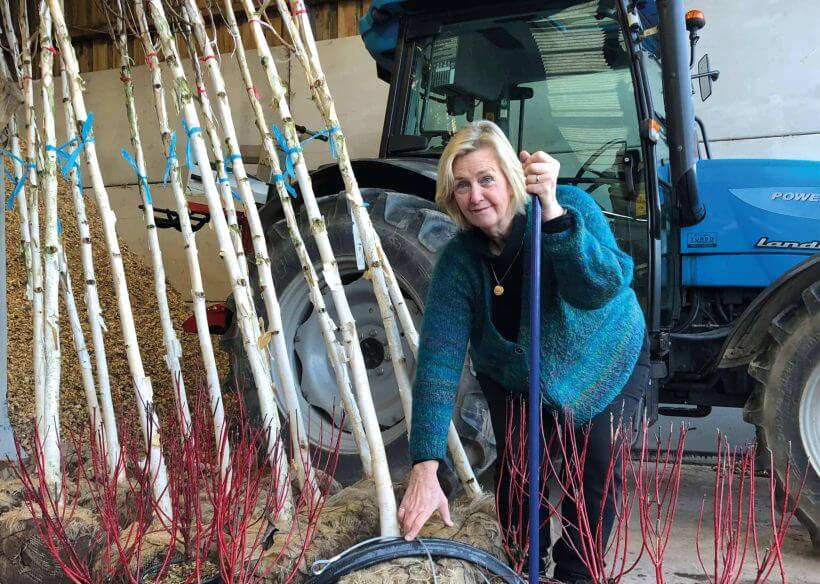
(705, 77)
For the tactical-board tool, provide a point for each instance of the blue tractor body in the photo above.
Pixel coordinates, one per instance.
(762, 219)
(727, 251)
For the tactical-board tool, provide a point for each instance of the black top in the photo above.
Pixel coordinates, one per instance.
(507, 269)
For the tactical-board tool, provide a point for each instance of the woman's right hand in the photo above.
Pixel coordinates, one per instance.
(423, 496)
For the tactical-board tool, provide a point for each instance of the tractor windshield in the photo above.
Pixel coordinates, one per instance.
(558, 80)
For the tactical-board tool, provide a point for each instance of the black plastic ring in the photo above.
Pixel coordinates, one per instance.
(385, 551)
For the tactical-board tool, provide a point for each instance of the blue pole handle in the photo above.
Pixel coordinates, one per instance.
(534, 401)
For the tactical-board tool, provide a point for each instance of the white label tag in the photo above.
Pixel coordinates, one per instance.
(357, 242)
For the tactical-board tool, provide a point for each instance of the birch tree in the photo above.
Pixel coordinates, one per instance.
(173, 348)
(33, 195)
(51, 266)
(142, 383)
(273, 337)
(191, 249)
(245, 311)
(330, 271)
(335, 351)
(211, 131)
(94, 314)
(385, 286)
(215, 142)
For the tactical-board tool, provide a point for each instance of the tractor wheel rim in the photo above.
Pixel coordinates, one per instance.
(317, 389)
(809, 414)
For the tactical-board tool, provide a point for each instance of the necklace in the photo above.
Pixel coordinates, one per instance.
(498, 289)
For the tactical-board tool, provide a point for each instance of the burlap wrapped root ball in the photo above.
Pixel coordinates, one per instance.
(474, 523)
(352, 516)
(24, 559)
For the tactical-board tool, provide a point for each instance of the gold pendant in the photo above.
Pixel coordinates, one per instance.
(498, 290)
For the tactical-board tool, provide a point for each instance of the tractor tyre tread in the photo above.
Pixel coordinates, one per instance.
(794, 341)
(411, 231)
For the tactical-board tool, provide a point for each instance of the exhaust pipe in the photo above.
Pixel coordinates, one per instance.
(680, 113)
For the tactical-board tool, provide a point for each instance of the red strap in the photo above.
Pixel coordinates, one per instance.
(298, 7)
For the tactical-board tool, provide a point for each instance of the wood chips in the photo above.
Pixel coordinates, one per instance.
(74, 416)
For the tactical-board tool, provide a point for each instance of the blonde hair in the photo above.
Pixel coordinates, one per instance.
(472, 137)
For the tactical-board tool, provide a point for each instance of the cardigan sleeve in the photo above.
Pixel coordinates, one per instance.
(589, 267)
(445, 333)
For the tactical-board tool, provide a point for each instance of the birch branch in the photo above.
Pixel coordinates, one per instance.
(335, 351)
(384, 488)
(274, 334)
(142, 384)
(191, 249)
(385, 286)
(245, 310)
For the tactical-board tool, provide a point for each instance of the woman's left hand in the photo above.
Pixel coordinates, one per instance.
(541, 176)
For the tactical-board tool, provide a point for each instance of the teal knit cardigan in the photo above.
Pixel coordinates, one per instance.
(592, 327)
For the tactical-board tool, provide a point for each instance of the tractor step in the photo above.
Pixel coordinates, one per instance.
(685, 412)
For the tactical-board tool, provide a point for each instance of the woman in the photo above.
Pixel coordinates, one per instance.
(594, 357)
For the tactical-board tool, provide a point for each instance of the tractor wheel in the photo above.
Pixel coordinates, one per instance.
(411, 232)
(785, 406)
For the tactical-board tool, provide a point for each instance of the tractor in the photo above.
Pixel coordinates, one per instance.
(727, 267)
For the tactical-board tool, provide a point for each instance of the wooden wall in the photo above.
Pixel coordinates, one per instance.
(95, 51)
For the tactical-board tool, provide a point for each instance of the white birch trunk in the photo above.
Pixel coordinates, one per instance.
(191, 252)
(96, 323)
(384, 488)
(173, 348)
(33, 192)
(335, 351)
(245, 311)
(305, 48)
(14, 145)
(51, 266)
(77, 335)
(142, 384)
(274, 334)
(223, 181)
(22, 207)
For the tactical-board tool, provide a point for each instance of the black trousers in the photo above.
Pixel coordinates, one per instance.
(502, 405)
